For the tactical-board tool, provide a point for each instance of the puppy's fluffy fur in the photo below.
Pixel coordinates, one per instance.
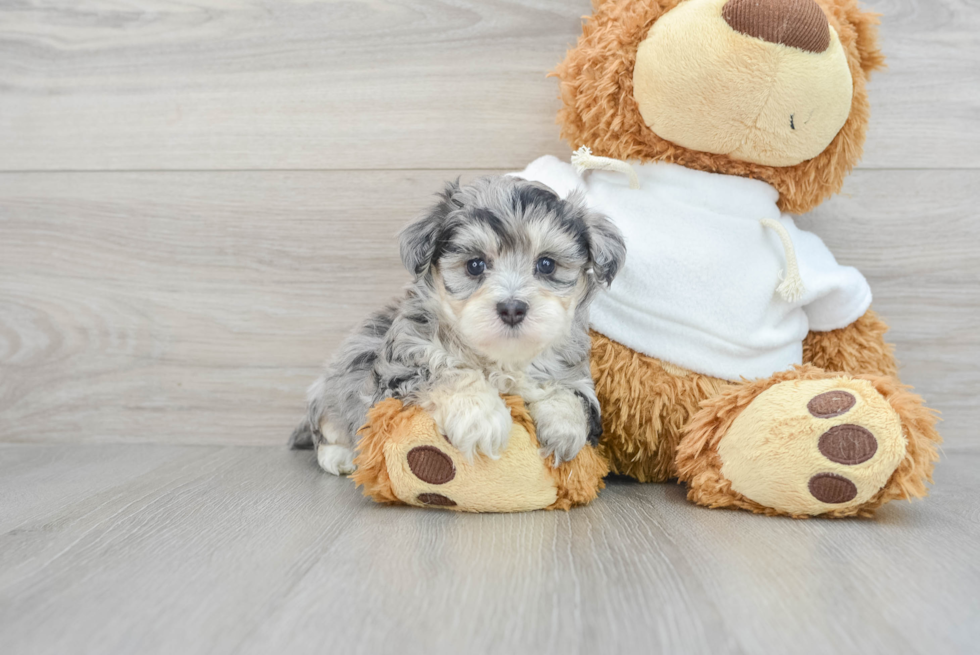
(452, 346)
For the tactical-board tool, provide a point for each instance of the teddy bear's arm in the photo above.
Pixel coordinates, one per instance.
(859, 348)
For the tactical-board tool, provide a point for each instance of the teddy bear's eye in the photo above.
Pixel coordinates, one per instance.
(545, 266)
(475, 267)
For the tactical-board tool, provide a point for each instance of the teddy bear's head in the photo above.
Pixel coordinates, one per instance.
(768, 89)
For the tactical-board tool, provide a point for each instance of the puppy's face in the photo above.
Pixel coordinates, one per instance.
(511, 263)
(511, 278)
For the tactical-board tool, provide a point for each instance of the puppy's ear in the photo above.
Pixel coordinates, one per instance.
(417, 242)
(607, 249)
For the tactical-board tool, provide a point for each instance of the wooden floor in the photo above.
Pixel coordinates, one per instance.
(198, 199)
(233, 549)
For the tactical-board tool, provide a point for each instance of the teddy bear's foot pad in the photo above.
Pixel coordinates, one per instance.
(426, 471)
(807, 447)
(403, 458)
(846, 444)
(432, 466)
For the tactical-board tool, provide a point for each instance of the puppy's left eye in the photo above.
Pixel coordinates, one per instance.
(546, 266)
(475, 267)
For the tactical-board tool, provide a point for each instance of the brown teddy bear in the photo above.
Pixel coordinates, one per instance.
(733, 351)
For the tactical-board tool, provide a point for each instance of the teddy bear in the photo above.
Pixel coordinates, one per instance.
(734, 352)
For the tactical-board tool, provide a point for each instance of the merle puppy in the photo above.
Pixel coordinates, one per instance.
(504, 274)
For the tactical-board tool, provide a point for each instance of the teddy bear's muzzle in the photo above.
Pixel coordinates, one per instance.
(762, 81)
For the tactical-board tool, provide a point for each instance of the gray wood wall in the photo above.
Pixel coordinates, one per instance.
(198, 198)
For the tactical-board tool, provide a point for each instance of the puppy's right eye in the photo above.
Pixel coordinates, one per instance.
(545, 266)
(475, 267)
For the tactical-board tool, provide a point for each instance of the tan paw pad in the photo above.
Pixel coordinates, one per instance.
(427, 471)
(808, 447)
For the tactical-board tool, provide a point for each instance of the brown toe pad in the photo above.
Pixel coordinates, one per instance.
(431, 465)
(436, 499)
(848, 444)
(831, 404)
(832, 488)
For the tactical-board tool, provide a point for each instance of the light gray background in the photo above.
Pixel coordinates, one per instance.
(197, 200)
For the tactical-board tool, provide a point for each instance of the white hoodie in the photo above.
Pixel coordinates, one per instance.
(698, 289)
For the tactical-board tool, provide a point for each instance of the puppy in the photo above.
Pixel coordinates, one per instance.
(504, 274)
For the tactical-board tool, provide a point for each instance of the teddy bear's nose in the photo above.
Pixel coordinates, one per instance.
(794, 23)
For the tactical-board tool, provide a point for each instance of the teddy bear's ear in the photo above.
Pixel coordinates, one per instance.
(866, 26)
(418, 240)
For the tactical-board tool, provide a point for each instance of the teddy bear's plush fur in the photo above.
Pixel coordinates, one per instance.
(403, 460)
(600, 110)
(837, 435)
(698, 462)
(661, 421)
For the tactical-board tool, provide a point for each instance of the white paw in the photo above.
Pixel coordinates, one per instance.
(474, 423)
(338, 460)
(562, 425)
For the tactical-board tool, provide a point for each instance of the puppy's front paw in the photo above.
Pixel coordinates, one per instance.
(338, 460)
(474, 423)
(562, 425)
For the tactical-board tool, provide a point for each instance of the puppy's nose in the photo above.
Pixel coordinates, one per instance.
(512, 311)
(794, 23)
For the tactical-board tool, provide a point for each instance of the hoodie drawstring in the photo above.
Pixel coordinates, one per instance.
(791, 288)
(584, 160)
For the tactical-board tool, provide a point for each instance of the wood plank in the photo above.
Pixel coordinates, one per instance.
(914, 235)
(301, 84)
(216, 84)
(197, 307)
(253, 550)
(924, 103)
(36, 482)
(198, 543)
(132, 303)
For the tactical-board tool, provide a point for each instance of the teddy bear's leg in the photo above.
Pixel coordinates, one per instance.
(403, 458)
(859, 348)
(809, 442)
(645, 405)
